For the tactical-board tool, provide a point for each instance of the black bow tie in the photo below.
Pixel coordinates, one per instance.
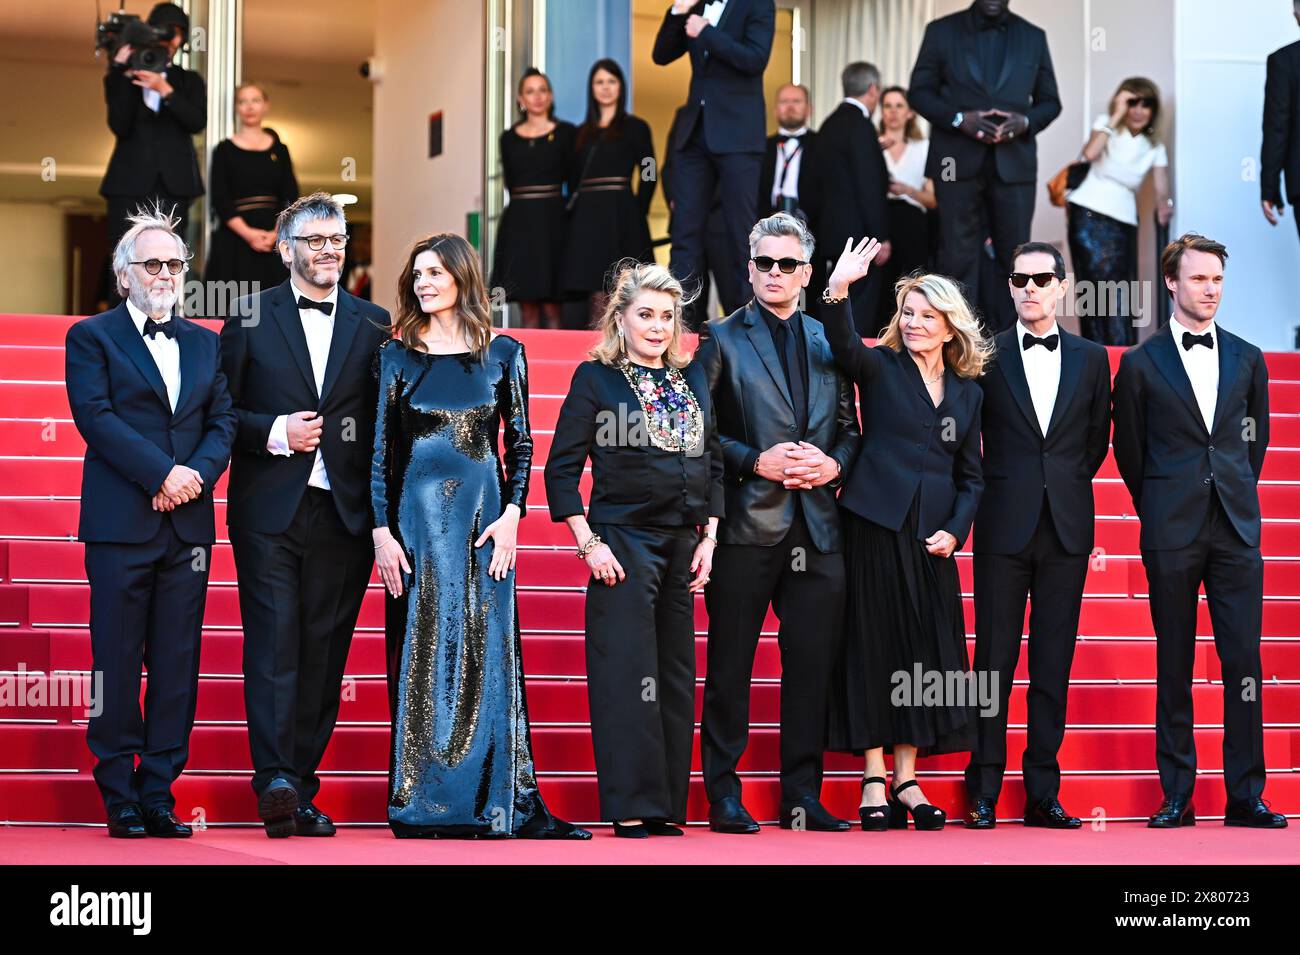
(998, 23)
(152, 328)
(1189, 340)
(784, 138)
(305, 302)
(1029, 341)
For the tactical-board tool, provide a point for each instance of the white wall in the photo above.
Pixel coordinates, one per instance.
(32, 247)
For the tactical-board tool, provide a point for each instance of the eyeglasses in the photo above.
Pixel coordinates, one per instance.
(764, 263)
(317, 242)
(1041, 279)
(1148, 101)
(154, 266)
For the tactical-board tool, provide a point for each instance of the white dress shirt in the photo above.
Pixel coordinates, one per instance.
(319, 330)
(1202, 367)
(859, 104)
(166, 353)
(1042, 372)
(789, 156)
(910, 168)
(713, 11)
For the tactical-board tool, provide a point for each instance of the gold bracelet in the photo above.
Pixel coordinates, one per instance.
(826, 297)
(593, 542)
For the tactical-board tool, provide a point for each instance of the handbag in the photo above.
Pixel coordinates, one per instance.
(1068, 179)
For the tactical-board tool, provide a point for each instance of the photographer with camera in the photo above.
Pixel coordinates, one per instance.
(155, 107)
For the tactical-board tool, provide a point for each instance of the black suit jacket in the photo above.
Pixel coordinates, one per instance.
(853, 181)
(265, 357)
(1281, 146)
(133, 438)
(755, 412)
(632, 482)
(947, 79)
(1168, 458)
(908, 444)
(807, 186)
(1021, 464)
(152, 145)
(727, 63)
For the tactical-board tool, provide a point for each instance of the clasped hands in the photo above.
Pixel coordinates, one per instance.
(797, 465)
(181, 485)
(994, 125)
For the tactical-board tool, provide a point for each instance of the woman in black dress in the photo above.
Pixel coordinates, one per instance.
(251, 181)
(907, 504)
(607, 221)
(447, 516)
(641, 411)
(535, 158)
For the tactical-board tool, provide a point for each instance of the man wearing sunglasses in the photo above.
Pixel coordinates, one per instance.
(149, 398)
(1046, 431)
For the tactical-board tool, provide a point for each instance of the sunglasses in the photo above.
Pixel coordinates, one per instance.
(764, 263)
(1148, 101)
(154, 266)
(1041, 279)
(317, 242)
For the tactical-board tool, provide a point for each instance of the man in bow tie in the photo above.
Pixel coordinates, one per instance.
(1191, 429)
(298, 357)
(148, 396)
(1046, 430)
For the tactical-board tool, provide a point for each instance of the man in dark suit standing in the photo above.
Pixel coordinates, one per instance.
(148, 396)
(1191, 429)
(298, 357)
(719, 137)
(984, 80)
(788, 429)
(1046, 431)
(154, 117)
(1280, 152)
(787, 181)
(851, 168)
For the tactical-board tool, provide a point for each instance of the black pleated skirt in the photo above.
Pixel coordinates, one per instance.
(904, 629)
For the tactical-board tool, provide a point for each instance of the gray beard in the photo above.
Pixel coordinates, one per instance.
(140, 298)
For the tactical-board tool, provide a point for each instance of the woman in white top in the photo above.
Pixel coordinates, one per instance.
(1102, 211)
(911, 195)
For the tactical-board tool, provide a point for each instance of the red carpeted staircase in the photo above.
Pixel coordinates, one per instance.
(1108, 758)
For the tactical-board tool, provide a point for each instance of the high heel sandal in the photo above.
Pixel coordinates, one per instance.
(874, 818)
(927, 817)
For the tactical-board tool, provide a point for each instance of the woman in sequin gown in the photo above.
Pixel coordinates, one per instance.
(461, 759)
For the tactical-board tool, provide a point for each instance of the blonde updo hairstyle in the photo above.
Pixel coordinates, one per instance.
(631, 278)
(969, 349)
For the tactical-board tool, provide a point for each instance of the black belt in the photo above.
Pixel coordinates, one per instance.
(605, 184)
(535, 192)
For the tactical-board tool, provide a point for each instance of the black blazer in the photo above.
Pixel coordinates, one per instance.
(807, 187)
(264, 355)
(947, 79)
(852, 178)
(727, 63)
(907, 442)
(755, 412)
(632, 481)
(149, 144)
(1280, 151)
(1165, 454)
(133, 438)
(1021, 464)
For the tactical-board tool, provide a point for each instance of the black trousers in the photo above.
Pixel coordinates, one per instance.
(971, 210)
(1053, 579)
(146, 607)
(121, 207)
(1233, 575)
(697, 173)
(299, 596)
(806, 590)
(641, 673)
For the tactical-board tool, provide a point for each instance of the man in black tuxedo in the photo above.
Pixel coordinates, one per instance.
(1046, 431)
(298, 357)
(983, 78)
(787, 181)
(148, 396)
(1191, 429)
(1280, 152)
(716, 254)
(788, 430)
(154, 117)
(851, 169)
(720, 136)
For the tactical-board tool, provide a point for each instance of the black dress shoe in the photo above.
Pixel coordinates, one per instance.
(657, 827)
(811, 816)
(126, 822)
(1253, 813)
(635, 831)
(162, 822)
(310, 821)
(983, 814)
(1174, 812)
(276, 807)
(1048, 814)
(729, 815)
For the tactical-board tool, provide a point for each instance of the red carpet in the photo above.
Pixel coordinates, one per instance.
(1108, 759)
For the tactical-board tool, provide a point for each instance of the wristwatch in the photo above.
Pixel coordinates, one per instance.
(956, 120)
